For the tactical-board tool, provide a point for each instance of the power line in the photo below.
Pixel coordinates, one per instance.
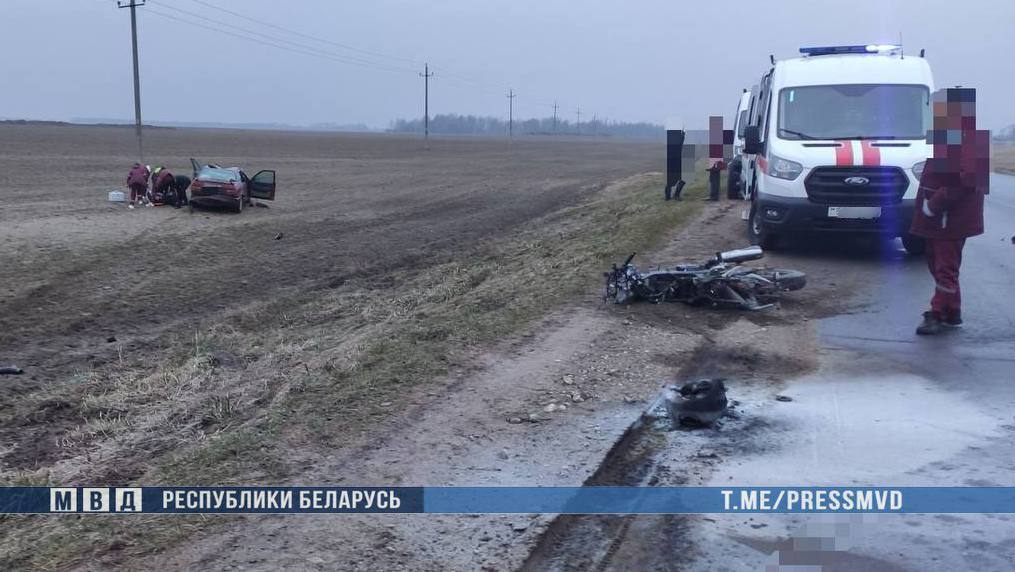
(273, 41)
(229, 29)
(445, 73)
(305, 35)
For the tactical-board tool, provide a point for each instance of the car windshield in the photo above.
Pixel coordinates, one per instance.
(858, 111)
(217, 175)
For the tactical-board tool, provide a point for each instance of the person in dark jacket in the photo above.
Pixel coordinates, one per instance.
(949, 202)
(137, 182)
(714, 170)
(674, 163)
(181, 185)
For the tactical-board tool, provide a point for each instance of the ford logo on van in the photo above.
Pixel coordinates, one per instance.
(856, 181)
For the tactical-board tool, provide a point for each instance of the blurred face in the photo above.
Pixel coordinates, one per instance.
(954, 124)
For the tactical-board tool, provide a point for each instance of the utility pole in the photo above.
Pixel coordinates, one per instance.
(594, 127)
(426, 75)
(511, 112)
(578, 126)
(133, 4)
(555, 116)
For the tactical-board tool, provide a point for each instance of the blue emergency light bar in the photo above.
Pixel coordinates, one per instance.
(864, 49)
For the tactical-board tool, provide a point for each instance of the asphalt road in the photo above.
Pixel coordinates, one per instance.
(893, 409)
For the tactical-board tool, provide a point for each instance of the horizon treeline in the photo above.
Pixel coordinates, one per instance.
(455, 124)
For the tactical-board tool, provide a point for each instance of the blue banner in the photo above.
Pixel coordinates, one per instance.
(487, 500)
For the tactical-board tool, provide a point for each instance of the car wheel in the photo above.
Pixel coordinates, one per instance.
(238, 207)
(756, 230)
(915, 245)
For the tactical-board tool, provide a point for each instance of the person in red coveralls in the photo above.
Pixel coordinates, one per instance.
(137, 181)
(949, 203)
(163, 185)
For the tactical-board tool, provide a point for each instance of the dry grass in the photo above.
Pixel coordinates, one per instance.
(245, 399)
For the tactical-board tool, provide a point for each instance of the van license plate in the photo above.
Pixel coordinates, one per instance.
(854, 212)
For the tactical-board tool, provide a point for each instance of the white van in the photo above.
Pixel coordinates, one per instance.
(840, 143)
(734, 180)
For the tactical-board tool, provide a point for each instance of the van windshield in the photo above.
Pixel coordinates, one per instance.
(856, 111)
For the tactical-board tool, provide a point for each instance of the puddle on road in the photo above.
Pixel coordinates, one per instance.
(861, 429)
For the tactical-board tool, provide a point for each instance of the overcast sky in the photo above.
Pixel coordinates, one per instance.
(649, 60)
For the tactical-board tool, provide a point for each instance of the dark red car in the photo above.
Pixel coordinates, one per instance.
(218, 186)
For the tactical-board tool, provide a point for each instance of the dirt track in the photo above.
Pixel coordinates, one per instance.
(81, 271)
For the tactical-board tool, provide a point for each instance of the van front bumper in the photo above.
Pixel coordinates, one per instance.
(793, 215)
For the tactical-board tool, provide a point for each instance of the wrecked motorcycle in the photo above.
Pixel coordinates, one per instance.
(719, 281)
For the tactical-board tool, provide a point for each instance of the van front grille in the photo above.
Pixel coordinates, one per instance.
(884, 186)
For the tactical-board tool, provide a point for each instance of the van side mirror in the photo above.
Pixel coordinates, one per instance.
(752, 140)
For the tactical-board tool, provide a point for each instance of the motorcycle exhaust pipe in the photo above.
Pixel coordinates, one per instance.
(742, 254)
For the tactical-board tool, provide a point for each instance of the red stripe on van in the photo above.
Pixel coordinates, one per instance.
(871, 154)
(844, 154)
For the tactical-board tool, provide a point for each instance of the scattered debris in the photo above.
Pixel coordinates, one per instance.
(568, 379)
(577, 397)
(11, 370)
(515, 420)
(110, 339)
(707, 454)
(783, 398)
(554, 407)
(696, 403)
(503, 455)
(278, 236)
(520, 526)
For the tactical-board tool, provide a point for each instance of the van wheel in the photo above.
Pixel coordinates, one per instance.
(915, 245)
(756, 231)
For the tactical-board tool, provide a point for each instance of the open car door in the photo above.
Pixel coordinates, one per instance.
(196, 166)
(262, 186)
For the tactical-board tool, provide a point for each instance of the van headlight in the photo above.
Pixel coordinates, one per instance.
(918, 169)
(784, 168)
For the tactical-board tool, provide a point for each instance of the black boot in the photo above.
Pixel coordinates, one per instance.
(954, 320)
(931, 326)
